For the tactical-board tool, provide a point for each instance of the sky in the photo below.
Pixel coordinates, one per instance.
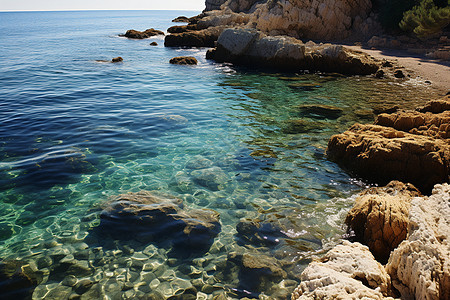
(8, 5)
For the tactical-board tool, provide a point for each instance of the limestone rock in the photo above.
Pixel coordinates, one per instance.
(407, 146)
(348, 271)
(379, 218)
(329, 20)
(184, 60)
(252, 47)
(149, 217)
(420, 266)
(135, 34)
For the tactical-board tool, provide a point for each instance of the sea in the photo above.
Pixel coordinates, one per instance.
(77, 131)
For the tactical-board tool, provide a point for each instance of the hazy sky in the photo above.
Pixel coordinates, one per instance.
(101, 4)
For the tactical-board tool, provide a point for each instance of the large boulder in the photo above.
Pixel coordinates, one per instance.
(420, 266)
(348, 271)
(184, 60)
(135, 34)
(149, 217)
(252, 47)
(379, 218)
(406, 146)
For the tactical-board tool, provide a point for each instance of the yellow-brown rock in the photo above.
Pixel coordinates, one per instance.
(407, 146)
(379, 218)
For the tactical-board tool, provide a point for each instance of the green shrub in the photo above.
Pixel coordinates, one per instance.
(426, 19)
(391, 11)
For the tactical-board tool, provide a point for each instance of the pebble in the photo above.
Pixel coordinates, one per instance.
(70, 280)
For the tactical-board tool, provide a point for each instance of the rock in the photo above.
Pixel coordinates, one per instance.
(256, 272)
(348, 271)
(407, 146)
(18, 279)
(385, 109)
(159, 218)
(185, 28)
(181, 19)
(83, 286)
(293, 126)
(69, 280)
(212, 178)
(200, 38)
(320, 110)
(134, 34)
(379, 218)
(259, 233)
(379, 74)
(251, 47)
(420, 266)
(436, 106)
(199, 162)
(117, 59)
(184, 60)
(399, 74)
(153, 44)
(321, 20)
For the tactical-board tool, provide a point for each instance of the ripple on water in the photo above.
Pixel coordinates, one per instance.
(248, 145)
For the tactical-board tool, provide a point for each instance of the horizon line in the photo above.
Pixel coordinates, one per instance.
(88, 9)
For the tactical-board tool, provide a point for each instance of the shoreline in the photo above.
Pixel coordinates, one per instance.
(433, 70)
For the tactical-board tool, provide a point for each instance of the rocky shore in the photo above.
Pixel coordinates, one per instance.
(406, 234)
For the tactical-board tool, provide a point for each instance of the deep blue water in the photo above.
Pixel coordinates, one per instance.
(75, 131)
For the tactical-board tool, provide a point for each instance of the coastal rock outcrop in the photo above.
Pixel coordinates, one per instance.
(407, 146)
(348, 271)
(247, 46)
(135, 34)
(379, 218)
(148, 217)
(420, 266)
(325, 20)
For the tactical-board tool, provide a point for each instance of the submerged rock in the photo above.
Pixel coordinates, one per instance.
(379, 218)
(251, 47)
(18, 279)
(135, 34)
(259, 233)
(407, 146)
(348, 271)
(320, 110)
(148, 217)
(420, 266)
(212, 178)
(184, 60)
(294, 126)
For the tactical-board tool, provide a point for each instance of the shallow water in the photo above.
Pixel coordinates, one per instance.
(74, 132)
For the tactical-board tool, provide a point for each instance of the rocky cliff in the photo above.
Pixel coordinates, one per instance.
(305, 19)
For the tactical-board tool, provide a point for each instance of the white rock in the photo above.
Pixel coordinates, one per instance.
(340, 275)
(420, 266)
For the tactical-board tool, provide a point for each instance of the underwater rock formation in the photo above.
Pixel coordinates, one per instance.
(135, 34)
(251, 47)
(18, 279)
(407, 146)
(348, 271)
(420, 266)
(148, 217)
(379, 218)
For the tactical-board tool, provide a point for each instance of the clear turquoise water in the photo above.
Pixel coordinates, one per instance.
(74, 131)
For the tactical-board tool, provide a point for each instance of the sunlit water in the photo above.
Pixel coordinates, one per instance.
(74, 131)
